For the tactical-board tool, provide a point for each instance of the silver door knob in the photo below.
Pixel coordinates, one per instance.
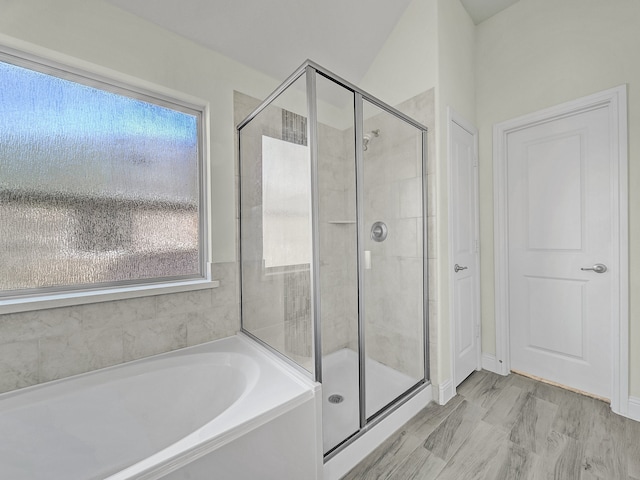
(458, 268)
(598, 268)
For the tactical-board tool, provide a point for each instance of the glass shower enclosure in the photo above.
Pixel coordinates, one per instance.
(333, 244)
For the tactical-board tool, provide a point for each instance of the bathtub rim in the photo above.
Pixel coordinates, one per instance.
(107, 375)
(192, 349)
(147, 469)
(191, 447)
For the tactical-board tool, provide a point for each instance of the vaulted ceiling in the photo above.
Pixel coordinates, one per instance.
(276, 36)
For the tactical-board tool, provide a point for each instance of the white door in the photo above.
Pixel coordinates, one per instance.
(560, 250)
(465, 263)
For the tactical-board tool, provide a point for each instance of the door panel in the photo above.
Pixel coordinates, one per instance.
(555, 319)
(554, 171)
(464, 235)
(465, 337)
(559, 206)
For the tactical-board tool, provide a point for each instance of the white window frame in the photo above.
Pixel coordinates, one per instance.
(79, 71)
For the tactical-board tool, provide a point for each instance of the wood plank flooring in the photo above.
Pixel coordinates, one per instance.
(509, 428)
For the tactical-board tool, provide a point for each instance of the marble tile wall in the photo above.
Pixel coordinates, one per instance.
(395, 301)
(393, 194)
(338, 242)
(266, 296)
(275, 301)
(263, 295)
(45, 345)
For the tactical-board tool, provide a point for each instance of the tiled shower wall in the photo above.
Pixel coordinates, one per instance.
(337, 232)
(276, 303)
(394, 342)
(392, 191)
(422, 108)
(44, 345)
(268, 296)
(393, 194)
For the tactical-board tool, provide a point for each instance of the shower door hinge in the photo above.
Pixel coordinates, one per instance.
(477, 329)
(477, 244)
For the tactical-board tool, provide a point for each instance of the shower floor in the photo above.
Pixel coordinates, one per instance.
(340, 377)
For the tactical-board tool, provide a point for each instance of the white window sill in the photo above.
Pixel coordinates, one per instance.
(26, 304)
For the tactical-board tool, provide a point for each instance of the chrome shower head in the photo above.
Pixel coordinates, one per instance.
(366, 138)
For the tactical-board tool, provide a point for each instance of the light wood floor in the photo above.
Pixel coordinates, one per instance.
(509, 428)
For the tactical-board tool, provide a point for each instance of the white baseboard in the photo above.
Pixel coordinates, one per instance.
(490, 363)
(446, 391)
(633, 412)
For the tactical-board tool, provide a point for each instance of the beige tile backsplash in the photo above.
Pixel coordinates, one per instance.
(45, 345)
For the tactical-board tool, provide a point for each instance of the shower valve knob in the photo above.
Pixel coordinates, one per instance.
(378, 232)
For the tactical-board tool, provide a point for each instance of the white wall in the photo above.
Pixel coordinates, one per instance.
(407, 62)
(539, 53)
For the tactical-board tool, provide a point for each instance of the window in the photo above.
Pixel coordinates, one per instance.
(286, 203)
(100, 184)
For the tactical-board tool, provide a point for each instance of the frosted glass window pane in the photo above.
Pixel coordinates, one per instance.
(95, 187)
(286, 203)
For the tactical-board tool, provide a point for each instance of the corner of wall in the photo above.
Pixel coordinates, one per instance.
(455, 87)
(411, 47)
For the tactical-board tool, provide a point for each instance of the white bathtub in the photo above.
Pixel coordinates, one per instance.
(223, 410)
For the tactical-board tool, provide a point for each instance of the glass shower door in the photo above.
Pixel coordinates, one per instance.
(337, 238)
(392, 262)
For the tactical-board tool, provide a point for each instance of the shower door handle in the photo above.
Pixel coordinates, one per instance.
(458, 268)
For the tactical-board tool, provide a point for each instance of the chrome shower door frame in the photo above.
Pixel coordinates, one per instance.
(310, 69)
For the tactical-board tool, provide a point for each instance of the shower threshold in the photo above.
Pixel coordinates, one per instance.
(340, 419)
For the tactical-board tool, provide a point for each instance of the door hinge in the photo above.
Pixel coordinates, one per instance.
(477, 328)
(477, 243)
